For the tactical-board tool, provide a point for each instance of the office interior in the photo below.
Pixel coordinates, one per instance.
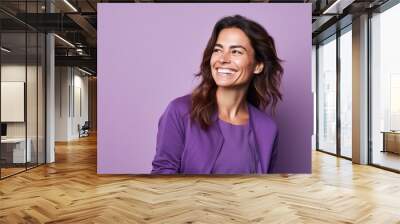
(48, 81)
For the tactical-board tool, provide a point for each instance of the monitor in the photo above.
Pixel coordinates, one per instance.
(3, 129)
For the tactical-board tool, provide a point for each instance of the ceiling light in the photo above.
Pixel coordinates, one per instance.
(64, 40)
(338, 6)
(5, 50)
(79, 51)
(84, 71)
(70, 5)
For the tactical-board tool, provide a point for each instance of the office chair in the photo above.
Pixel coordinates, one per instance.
(84, 130)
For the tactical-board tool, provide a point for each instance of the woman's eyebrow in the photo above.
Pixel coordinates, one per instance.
(238, 46)
(231, 47)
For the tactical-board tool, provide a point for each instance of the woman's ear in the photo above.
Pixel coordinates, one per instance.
(259, 67)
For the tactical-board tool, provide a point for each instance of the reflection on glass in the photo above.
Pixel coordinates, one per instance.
(327, 96)
(22, 90)
(346, 94)
(386, 89)
(13, 84)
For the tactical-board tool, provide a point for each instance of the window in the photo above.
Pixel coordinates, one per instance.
(346, 92)
(327, 95)
(385, 88)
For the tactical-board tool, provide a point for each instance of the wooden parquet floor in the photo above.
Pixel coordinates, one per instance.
(70, 191)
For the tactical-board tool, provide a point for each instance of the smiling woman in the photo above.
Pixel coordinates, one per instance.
(232, 62)
(222, 126)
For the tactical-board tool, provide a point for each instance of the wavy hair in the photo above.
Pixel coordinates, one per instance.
(263, 90)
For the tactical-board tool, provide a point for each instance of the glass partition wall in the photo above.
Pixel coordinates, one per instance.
(326, 59)
(385, 89)
(13, 89)
(334, 90)
(22, 88)
(345, 62)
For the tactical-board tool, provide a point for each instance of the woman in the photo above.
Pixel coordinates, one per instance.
(221, 128)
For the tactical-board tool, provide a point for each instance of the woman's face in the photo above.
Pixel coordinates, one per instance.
(232, 61)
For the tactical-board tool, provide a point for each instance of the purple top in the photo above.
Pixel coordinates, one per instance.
(236, 155)
(184, 147)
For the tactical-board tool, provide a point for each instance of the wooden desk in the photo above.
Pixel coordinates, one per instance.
(391, 141)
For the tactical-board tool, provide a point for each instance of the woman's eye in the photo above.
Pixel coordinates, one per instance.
(217, 50)
(237, 52)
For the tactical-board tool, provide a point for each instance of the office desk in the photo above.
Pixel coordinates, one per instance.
(13, 150)
(391, 141)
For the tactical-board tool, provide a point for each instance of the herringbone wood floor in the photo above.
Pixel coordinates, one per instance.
(70, 191)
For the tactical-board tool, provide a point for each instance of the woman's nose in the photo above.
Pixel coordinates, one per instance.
(225, 58)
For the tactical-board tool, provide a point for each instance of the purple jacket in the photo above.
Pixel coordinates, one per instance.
(184, 147)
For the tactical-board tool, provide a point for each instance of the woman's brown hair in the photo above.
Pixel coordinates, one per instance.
(263, 90)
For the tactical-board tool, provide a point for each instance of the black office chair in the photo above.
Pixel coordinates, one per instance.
(84, 130)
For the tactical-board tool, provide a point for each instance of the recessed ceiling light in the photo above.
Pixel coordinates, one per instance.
(5, 50)
(338, 6)
(64, 40)
(84, 71)
(70, 5)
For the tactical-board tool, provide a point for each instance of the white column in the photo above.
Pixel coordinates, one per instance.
(50, 100)
(360, 90)
(50, 92)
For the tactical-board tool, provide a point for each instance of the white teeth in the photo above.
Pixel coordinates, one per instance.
(225, 70)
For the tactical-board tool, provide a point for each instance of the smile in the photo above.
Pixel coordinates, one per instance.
(225, 71)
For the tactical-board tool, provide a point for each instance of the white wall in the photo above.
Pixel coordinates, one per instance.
(81, 102)
(61, 103)
(12, 73)
(71, 93)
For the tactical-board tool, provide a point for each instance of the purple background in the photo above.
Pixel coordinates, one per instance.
(147, 55)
